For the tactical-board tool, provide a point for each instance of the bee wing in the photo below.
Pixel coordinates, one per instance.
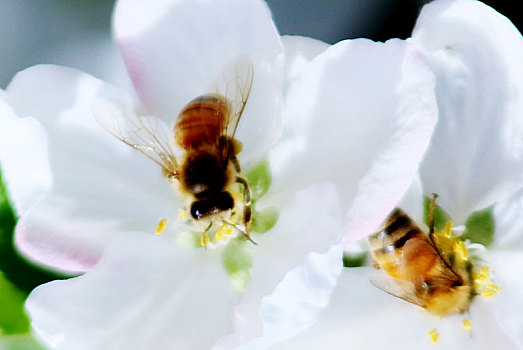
(397, 287)
(147, 134)
(235, 84)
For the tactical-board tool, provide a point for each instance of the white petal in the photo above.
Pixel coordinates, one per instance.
(508, 305)
(412, 201)
(23, 158)
(100, 185)
(508, 221)
(297, 257)
(175, 49)
(295, 303)
(299, 50)
(476, 154)
(361, 316)
(361, 115)
(145, 293)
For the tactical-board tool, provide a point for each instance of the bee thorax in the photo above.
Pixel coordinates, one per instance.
(203, 175)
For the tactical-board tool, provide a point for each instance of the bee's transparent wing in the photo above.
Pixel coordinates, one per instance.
(147, 134)
(397, 287)
(235, 84)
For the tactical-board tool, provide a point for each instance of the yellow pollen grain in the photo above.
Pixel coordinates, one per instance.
(467, 324)
(204, 239)
(433, 335)
(448, 229)
(182, 214)
(223, 231)
(162, 224)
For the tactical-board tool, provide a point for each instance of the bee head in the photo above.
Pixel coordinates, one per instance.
(214, 205)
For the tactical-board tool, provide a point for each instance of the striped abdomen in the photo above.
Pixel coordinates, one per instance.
(202, 121)
(402, 249)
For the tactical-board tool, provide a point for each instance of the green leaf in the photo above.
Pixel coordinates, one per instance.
(259, 176)
(263, 221)
(440, 215)
(13, 319)
(354, 260)
(237, 263)
(480, 226)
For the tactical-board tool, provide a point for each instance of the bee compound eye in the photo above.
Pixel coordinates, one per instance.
(213, 205)
(196, 210)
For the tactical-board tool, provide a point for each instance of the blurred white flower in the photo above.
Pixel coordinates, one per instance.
(358, 114)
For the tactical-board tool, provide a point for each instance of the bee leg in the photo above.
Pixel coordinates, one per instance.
(430, 215)
(243, 232)
(247, 205)
(236, 163)
(204, 237)
(247, 197)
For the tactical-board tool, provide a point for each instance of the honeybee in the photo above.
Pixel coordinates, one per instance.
(206, 167)
(431, 271)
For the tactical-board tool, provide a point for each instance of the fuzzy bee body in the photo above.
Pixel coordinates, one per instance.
(208, 172)
(424, 270)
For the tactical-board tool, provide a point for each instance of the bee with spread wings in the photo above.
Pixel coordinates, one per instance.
(207, 170)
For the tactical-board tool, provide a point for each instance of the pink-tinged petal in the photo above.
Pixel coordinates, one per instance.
(295, 266)
(100, 185)
(146, 292)
(23, 158)
(361, 115)
(174, 50)
(476, 153)
(361, 316)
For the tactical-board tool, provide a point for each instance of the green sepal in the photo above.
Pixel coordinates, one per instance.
(259, 176)
(355, 260)
(263, 221)
(238, 263)
(440, 215)
(480, 226)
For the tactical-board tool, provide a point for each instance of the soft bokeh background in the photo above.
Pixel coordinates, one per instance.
(77, 33)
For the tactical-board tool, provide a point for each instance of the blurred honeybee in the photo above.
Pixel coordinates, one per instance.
(206, 166)
(431, 271)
